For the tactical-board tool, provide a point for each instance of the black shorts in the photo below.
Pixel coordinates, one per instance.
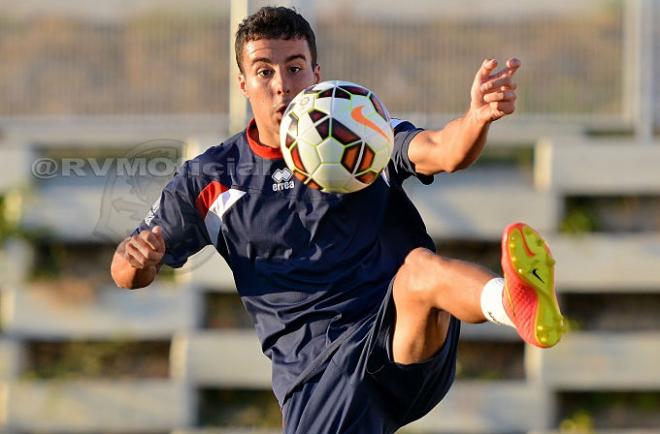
(361, 390)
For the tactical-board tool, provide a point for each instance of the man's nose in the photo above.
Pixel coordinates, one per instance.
(282, 85)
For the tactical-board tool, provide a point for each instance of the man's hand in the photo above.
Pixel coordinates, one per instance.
(461, 141)
(145, 249)
(494, 95)
(136, 261)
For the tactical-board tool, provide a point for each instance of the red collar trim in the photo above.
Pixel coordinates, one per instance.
(263, 151)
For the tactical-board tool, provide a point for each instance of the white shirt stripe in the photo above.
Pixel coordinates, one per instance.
(217, 210)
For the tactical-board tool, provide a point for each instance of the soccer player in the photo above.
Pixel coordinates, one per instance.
(358, 315)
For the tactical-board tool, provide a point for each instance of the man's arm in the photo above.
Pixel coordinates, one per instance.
(461, 141)
(137, 259)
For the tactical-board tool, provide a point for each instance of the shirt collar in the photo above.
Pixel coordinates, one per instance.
(257, 147)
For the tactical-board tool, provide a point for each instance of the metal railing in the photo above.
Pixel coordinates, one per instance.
(587, 61)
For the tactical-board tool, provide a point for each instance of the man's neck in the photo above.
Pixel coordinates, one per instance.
(267, 139)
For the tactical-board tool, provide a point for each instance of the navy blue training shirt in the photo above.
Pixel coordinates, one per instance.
(308, 265)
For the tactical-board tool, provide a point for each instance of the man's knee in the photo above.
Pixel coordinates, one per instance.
(420, 277)
(420, 327)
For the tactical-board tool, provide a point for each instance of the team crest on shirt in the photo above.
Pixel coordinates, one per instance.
(282, 178)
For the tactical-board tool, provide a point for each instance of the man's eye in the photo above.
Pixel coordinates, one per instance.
(295, 69)
(264, 73)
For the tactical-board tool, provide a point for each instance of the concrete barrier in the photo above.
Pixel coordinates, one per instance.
(228, 358)
(148, 313)
(601, 361)
(101, 406)
(487, 407)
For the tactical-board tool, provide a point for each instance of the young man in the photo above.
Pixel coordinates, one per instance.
(359, 316)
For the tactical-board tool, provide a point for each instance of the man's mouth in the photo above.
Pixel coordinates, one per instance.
(281, 109)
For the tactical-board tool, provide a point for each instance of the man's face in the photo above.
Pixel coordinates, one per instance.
(274, 72)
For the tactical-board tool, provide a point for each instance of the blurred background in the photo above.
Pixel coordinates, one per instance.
(100, 101)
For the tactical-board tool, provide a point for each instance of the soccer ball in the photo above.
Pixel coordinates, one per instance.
(336, 137)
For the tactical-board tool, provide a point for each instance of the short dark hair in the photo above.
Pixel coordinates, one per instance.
(274, 22)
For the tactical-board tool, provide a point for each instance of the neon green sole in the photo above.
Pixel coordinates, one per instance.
(534, 264)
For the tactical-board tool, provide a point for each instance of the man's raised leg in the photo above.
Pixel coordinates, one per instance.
(428, 288)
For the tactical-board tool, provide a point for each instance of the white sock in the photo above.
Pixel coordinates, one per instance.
(491, 302)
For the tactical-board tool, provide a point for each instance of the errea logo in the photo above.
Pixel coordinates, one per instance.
(282, 178)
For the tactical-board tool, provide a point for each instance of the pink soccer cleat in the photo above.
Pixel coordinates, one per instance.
(529, 290)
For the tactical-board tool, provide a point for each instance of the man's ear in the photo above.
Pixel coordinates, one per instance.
(317, 73)
(242, 84)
